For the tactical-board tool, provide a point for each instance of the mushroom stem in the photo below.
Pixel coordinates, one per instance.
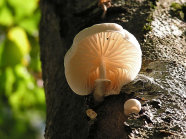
(101, 83)
(102, 70)
(100, 88)
(104, 7)
(132, 110)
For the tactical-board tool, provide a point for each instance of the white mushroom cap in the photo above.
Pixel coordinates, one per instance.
(105, 45)
(132, 106)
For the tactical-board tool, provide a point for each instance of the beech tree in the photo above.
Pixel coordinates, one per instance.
(66, 111)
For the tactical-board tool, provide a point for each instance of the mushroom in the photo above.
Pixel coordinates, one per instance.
(102, 59)
(132, 106)
(104, 4)
(91, 114)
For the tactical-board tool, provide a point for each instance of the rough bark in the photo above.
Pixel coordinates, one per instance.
(66, 117)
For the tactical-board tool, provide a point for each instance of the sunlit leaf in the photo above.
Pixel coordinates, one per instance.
(6, 17)
(19, 36)
(23, 8)
(30, 24)
(22, 73)
(2, 2)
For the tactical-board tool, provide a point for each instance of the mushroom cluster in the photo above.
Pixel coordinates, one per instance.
(102, 59)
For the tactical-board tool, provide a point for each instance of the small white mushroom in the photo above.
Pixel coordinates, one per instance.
(102, 59)
(132, 106)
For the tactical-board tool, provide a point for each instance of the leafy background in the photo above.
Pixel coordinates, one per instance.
(22, 101)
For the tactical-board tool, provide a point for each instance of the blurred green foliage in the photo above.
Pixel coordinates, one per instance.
(22, 101)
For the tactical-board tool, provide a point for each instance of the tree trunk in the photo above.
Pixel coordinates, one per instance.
(66, 116)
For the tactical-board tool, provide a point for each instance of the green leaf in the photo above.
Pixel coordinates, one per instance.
(19, 36)
(20, 96)
(2, 43)
(22, 73)
(11, 54)
(40, 95)
(10, 79)
(30, 24)
(17, 97)
(2, 3)
(35, 63)
(2, 82)
(23, 8)
(6, 17)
